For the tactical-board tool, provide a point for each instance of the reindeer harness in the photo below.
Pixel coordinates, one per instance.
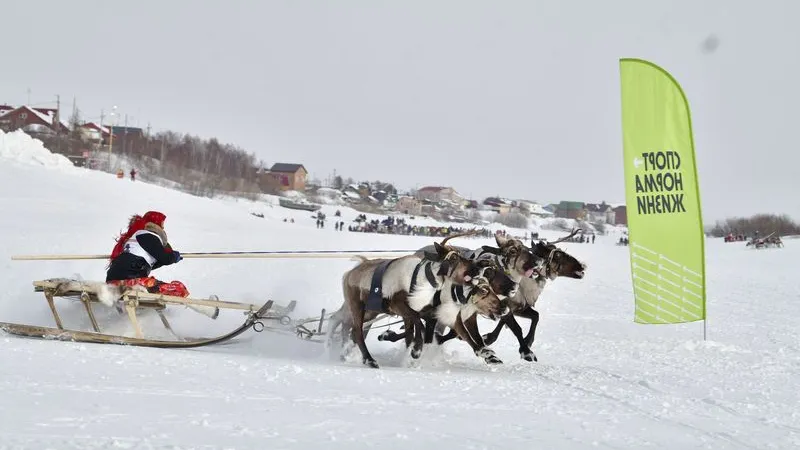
(375, 298)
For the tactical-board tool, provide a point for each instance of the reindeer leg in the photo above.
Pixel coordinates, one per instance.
(533, 315)
(480, 350)
(490, 338)
(524, 348)
(392, 336)
(471, 324)
(408, 314)
(410, 332)
(450, 335)
(358, 336)
(430, 327)
(348, 340)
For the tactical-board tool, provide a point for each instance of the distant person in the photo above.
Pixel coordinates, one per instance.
(133, 175)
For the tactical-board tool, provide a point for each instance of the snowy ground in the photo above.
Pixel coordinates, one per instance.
(601, 380)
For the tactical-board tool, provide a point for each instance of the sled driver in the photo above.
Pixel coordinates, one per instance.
(139, 250)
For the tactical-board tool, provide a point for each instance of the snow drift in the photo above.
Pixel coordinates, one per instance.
(21, 148)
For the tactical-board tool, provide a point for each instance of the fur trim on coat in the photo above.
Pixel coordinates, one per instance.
(153, 228)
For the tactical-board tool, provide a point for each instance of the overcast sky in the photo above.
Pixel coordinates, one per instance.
(519, 99)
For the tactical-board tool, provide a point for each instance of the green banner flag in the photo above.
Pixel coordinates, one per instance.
(665, 227)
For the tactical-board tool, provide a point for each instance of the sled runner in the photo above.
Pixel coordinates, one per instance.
(131, 300)
(253, 319)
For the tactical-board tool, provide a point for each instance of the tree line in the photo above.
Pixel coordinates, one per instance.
(782, 225)
(196, 165)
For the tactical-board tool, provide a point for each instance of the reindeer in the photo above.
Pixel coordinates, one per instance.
(557, 263)
(459, 306)
(401, 286)
(511, 256)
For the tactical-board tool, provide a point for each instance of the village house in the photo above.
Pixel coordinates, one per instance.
(408, 205)
(498, 205)
(525, 206)
(531, 208)
(571, 210)
(32, 120)
(284, 177)
(437, 194)
(602, 213)
(94, 133)
(122, 133)
(621, 215)
(538, 210)
(611, 216)
(352, 193)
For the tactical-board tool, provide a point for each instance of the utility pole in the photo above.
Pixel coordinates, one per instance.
(102, 116)
(57, 118)
(125, 133)
(74, 111)
(111, 137)
(57, 123)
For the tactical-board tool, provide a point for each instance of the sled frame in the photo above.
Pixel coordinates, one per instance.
(133, 300)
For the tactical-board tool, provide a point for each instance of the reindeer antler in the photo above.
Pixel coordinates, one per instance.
(573, 233)
(466, 233)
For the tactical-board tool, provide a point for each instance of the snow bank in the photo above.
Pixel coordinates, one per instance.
(602, 381)
(20, 147)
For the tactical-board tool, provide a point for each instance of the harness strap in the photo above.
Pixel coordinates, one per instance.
(430, 276)
(414, 277)
(547, 268)
(375, 298)
(457, 292)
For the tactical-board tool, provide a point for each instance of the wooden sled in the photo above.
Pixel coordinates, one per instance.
(252, 321)
(133, 300)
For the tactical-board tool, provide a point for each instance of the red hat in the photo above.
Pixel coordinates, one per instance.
(155, 217)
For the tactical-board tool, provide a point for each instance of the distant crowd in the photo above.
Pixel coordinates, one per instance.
(582, 239)
(392, 225)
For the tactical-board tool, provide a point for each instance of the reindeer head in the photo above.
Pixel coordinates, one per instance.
(453, 265)
(499, 282)
(517, 258)
(557, 262)
(486, 301)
